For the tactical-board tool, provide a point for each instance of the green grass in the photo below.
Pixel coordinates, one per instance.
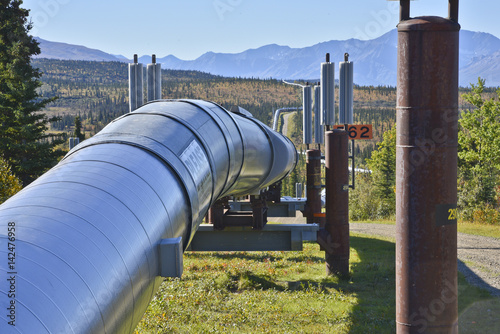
(382, 221)
(478, 311)
(289, 292)
(277, 292)
(479, 229)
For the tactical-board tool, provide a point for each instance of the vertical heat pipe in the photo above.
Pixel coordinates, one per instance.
(154, 80)
(319, 131)
(327, 92)
(135, 88)
(307, 114)
(346, 87)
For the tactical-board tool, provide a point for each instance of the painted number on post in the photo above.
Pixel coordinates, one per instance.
(358, 131)
(446, 214)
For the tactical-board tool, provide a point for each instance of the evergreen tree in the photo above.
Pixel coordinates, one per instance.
(24, 142)
(78, 129)
(383, 166)
(9, 184)
(479, 152)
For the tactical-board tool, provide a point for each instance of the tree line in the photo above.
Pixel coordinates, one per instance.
(97, 92)
(478, 183)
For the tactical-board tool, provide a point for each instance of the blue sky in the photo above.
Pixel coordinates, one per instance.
(189, 28)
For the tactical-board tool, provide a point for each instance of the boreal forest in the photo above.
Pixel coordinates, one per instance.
(88, 95)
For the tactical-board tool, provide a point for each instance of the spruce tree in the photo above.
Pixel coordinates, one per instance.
(24, 142)
(78, 129)
(383, 166)
(9, 184)
(479, 153)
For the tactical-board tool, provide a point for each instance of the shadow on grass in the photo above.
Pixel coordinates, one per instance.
(250, 281)
(478, 310)
(373, 282)
(476, 280)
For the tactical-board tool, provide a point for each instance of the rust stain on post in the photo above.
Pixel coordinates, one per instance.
(426, 175)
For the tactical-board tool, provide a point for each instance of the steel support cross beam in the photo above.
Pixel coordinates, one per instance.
(273, 237)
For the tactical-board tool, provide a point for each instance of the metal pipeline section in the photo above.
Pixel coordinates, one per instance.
(278, 113)
(86, 234)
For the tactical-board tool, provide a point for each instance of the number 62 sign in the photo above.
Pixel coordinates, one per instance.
(357, 131)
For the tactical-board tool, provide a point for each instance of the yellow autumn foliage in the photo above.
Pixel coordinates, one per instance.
(9, 183)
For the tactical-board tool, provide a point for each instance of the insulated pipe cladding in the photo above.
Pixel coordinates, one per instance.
(346, 86)
(307, 115)
(86, 234)
(154, 80)
(327, 92)
(135, 85)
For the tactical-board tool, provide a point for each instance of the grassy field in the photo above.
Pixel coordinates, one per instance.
(479, 229)
(288, 292)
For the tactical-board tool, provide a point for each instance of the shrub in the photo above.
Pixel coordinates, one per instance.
(363, 204)
(9, 183)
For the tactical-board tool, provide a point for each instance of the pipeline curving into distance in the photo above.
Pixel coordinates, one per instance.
(86, 233)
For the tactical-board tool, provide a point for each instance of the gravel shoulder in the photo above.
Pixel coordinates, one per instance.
(478, 257)
(286, 117)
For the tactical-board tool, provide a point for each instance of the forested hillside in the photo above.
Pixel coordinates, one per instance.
(98, 93)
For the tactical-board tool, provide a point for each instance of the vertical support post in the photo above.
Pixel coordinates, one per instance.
(426, 176)
(259, 212)
(404, 10)
(337, 202)
(73, 141)
(216, 215)
(298, 190)
(453, 10)
(313, 178)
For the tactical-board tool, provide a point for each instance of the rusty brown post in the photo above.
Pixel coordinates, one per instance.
(453, 10)
(337, 202)
(426, 174)
(313, 179)
(216, 215)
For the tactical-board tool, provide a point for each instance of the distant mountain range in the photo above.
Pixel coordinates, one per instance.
(374, 60)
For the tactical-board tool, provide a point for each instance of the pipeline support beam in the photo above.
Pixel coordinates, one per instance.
(313, 189)
(336, 231)
(426, 174)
